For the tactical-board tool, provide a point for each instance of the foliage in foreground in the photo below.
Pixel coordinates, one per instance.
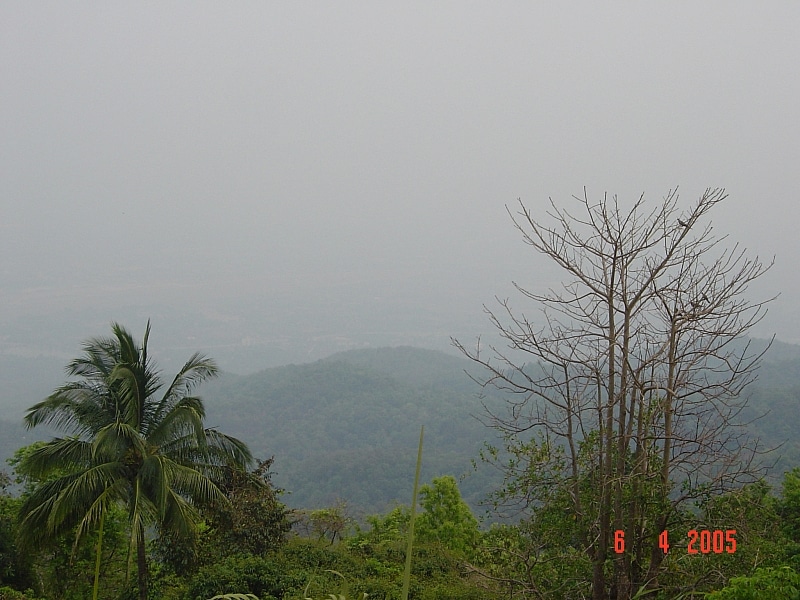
(369, 563)
(307, 568)
(531, 559)
(781, 583)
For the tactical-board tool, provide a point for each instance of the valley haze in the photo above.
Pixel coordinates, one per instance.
(274, 183)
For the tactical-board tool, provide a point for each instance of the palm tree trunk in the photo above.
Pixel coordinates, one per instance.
(141, 560)
(97, 560)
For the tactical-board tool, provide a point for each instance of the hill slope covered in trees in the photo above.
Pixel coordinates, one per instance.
(347, 427)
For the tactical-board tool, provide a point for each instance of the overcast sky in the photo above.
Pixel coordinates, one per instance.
(221, 158)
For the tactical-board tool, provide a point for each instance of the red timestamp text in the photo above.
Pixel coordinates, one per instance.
(700, 542)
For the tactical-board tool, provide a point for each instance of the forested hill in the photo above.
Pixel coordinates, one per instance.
(347, 427)
(774, 407)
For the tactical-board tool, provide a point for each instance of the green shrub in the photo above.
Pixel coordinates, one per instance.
(781, 583)
(6, 593)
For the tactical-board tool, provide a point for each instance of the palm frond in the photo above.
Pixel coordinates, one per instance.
(180, 518)
(73, 502)
(101, 504)
(56, 506)
(141, 509)
(34, 514)
(227, 449)
(131, 393)
(154, 475)
(189, 482)
(117, 438)
(184, 418)
(196, 370)
(74, 407)
(59, 455)
(129, 350)
(100, 356)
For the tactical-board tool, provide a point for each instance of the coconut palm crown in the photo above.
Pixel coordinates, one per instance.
(130, 440)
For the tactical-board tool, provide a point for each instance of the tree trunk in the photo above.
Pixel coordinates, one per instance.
(141, 560)
(99, 552)
(598, 581)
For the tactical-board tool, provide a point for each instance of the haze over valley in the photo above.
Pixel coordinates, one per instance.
(274, 184)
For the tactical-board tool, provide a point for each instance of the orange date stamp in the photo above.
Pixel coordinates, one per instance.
(704, 541)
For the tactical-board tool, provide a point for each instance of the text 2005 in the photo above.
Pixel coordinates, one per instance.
(700, 542)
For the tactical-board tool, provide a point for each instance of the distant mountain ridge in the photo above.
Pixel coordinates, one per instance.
(346, 426)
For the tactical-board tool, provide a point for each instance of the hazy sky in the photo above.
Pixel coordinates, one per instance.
(348, 162)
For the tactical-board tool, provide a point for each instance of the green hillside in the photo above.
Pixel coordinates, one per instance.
(344, 427)
(414, 366)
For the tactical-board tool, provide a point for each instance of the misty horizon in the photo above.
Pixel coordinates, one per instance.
(294, 180)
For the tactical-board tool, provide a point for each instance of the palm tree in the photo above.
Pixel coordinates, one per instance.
(127, 443)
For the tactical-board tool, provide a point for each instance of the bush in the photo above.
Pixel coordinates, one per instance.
(781, 583)
(6, 593)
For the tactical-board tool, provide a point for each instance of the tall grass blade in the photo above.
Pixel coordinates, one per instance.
(407, 572)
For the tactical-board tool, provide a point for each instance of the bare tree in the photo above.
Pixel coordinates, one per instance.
(635, 370)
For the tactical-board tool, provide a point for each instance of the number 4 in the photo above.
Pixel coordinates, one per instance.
(663, 541)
